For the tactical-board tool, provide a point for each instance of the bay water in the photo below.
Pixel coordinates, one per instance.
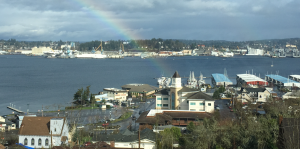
(27, 81)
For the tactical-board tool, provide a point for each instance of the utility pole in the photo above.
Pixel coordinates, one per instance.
(42, 111)
(51, 140)
(139, 139)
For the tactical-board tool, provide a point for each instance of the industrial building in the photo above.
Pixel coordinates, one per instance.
(220, 79)
(295, 77)
(40, 51)
(250, 79)
(281, 81)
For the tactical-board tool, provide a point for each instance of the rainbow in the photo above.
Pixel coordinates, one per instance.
(121, 29)
(105, 17)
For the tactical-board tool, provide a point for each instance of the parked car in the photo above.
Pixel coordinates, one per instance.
(148, 101)
(244, 107)
(217, 107)
(133, 117)
(140, 112)
(111, 119)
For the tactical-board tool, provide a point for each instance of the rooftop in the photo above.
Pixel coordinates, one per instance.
(220, 77)
(114, 90)
(198, 95)
(250, 77)
(281, 79)
(295, 76)
(139, 87)
(176, 75)
(38, 126)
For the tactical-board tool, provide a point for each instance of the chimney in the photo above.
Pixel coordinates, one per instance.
(112, 143)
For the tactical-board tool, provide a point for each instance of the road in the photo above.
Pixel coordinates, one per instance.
(224, 110)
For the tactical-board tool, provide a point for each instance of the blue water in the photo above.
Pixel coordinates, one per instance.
(38, 81)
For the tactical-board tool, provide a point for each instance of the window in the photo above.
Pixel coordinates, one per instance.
(25, 141)
(202, 104)
(173, 101)
(209, 104)
(192, 103)
(260, 96)
(158, 105)
(158, 98)
(46, 142)
(54, 129)
(166, 99)
(165, 105)
(32, 141)
(40, 142)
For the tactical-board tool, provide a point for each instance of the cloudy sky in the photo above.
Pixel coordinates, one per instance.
(85, 20)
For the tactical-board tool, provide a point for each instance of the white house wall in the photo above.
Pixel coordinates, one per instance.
(55, 139)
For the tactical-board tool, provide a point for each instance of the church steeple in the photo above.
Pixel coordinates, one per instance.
(176, 80)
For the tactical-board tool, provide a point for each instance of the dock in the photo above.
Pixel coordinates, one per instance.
(14, 109)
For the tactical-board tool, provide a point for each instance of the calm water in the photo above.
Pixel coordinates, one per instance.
(39, 81)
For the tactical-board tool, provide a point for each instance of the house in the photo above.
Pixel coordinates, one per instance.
(115, 94)
(128, 139)
(39, 132)
(180, 118)
(178, 97)
(255, 94)
(6, 125)
(290, 95)
(139, 89)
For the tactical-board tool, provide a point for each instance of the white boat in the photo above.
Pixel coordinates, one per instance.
(90, 56)
(100, 56)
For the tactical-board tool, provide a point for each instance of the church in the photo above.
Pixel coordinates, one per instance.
(178, 97)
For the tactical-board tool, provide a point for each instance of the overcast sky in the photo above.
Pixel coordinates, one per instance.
(85, 20)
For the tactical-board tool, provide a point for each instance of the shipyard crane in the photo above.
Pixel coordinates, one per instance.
(99, 46)
(121, 51)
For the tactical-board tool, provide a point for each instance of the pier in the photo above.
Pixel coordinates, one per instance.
(14, 109)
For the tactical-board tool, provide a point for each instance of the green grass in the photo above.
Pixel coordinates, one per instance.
(123, 117)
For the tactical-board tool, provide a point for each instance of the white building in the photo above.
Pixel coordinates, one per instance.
(39, 132)
(128, 139)
(179, 97)
(5, 124)
(116, 94)
(41, 50)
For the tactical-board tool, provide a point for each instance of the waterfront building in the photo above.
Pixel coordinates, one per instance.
(249, 79)
(295, 77)
(282, 81)
(40, 132)
(113, 94)
(220, 79)
(40, 51)
(178, 97)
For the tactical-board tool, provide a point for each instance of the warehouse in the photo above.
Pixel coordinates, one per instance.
(220, 79)
(250, 79)
(282, 81)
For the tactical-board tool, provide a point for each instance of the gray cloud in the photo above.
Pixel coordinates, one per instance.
(84, 20)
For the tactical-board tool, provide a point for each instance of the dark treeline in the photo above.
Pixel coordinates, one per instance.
(136, 45)
(154, 44)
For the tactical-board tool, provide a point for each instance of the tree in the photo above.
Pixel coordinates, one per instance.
(78, 94)
(216, 94)
(190, 127)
